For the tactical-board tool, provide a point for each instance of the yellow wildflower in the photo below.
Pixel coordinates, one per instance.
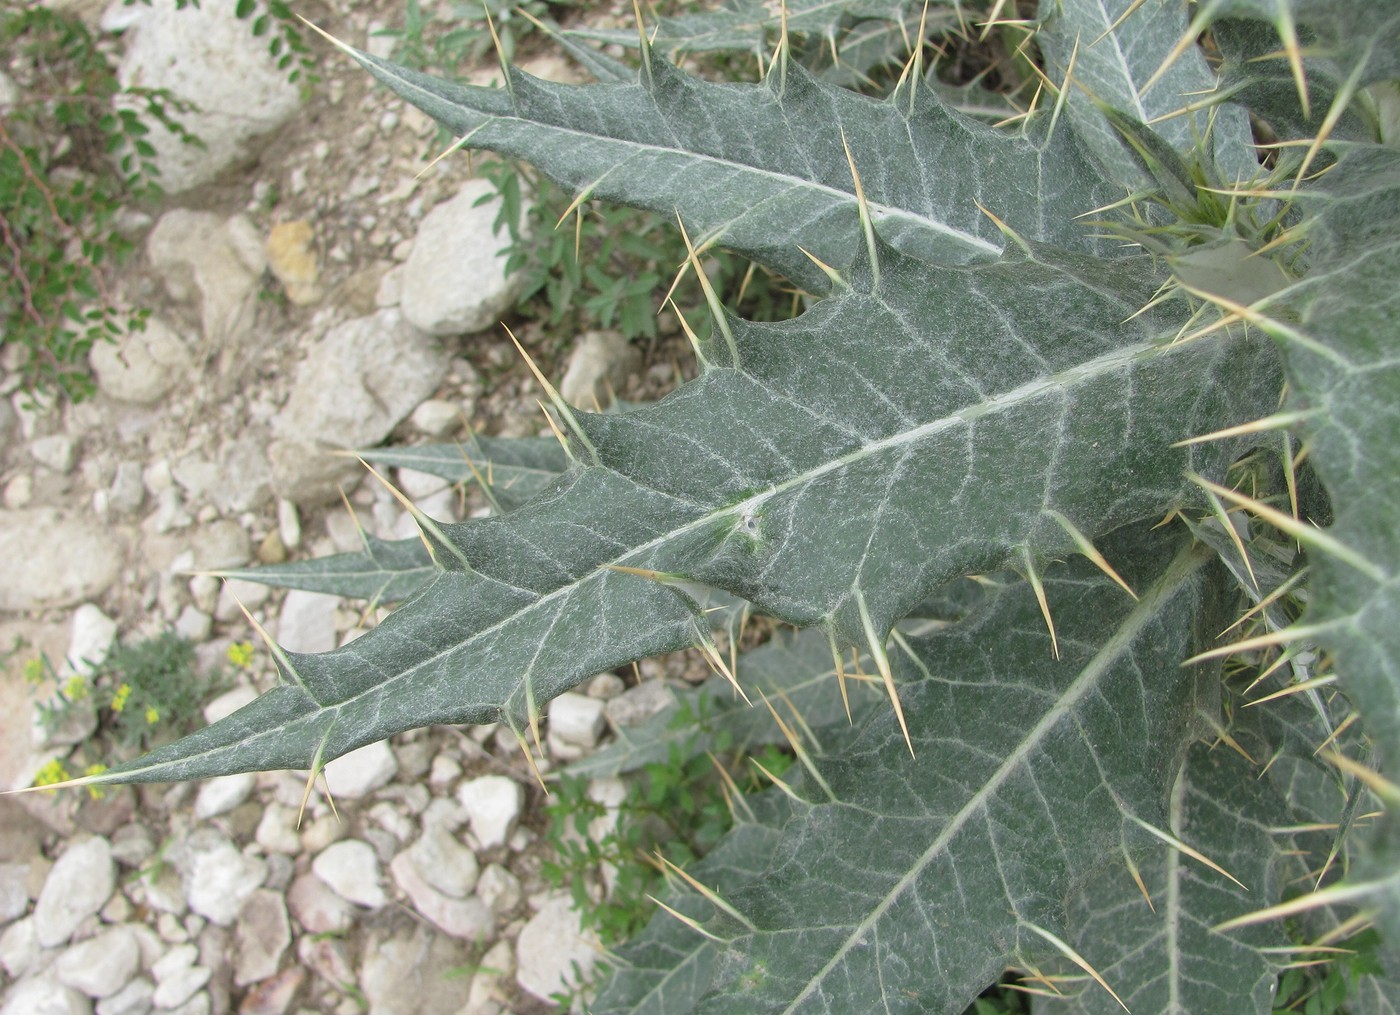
(152, 715)
(75, 688)
(50, 774)
(119, 699)
(240, 653)
(34, 670)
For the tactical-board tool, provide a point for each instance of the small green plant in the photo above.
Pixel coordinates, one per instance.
(144, 693)
(61, 190)
(677, 809)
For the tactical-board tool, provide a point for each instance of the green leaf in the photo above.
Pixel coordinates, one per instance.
(1010, 407)
(387, 571)
(516, 467)
(942, 857)
(1112, 66)
(764, 168)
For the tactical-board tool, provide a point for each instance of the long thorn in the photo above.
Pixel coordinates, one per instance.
(882, 663)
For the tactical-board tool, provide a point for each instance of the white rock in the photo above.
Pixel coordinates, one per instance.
(223, 793)
(101, 965)
(638, 704)
(228, 703)
(549, 947)
(262, 936)
(288, 524)
(496, 966)
(277, 831)
(19, 947)
(179, 985)
(577, 719)
(602, 360)
(193, 624)
(40, 996)
(14, 893)
(239, 590)
(91, 639)
(199, 258)
(67, 558)
(141, 367)
(316, 907)
(455, 282)
(127, 491)
(133, 999)
(499, 889)
(395, 972)
(362, 771)
(56, 452)
(351, 869)
(355, 385)
(206, 56)
(492, 803)
(78, 885)
(307, 621)
(217, 878)
(444, 863)
(465, 918)
(437, 417)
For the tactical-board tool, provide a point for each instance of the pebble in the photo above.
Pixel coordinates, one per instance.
(57, 452)
(577, 720)
(222, 794)
(217, 877)
(262, 935)
(351, 870)
(499, 889)
(101, 965)
(79, 885)
(14, 891)
(19, 947)
(307, 621)
(316, 907)
(549, 948)
(40, 996)
(492, 803)
(444, 863)
(135, 998)
(362, 771)
(469, 919)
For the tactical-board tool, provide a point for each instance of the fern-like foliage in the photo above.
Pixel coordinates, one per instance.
(1022, 331)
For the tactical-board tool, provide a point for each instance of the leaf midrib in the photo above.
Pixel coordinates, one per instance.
(879, 211)
(1185, 563)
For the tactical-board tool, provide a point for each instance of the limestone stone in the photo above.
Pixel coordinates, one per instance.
(394, 969)
(101, 965)
(316, 907)
(307, 622)
(549, 948)
(201, 259)
(356, 384)
(454, 282)
(42, 996)
(291, 256)
(362, 771)
(351, 870)
(206, 56)
(467, 918)
(598, 367)
(79, 885)
(67, 558)
(492, 803)
(217, 878)
(142, 366)
(262, 935)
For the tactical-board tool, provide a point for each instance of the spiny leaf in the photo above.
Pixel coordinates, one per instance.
(791, 485)
(767, 172)
(914, 852)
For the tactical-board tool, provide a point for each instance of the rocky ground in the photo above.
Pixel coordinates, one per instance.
(311, 289)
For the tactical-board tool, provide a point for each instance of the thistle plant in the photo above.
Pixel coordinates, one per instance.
(1078, 475)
